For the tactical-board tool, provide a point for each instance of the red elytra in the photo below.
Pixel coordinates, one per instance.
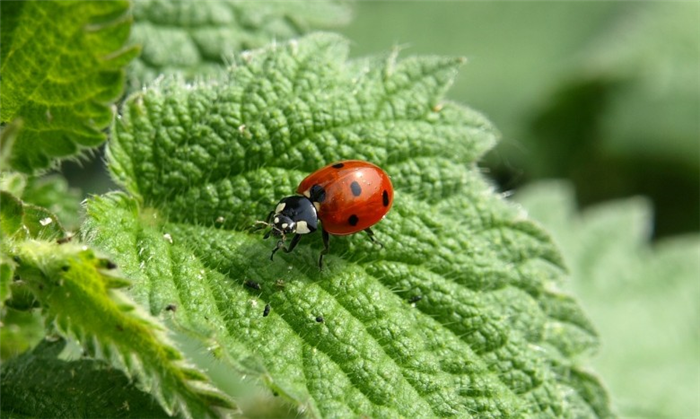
(356, 195)
(346, 197)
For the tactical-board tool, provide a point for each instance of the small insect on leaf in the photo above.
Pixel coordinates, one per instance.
(252, 284)
(346, 197)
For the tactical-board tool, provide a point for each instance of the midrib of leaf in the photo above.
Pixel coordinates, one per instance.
(492, 335)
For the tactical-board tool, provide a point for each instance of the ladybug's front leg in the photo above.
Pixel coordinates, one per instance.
(326, 247)
(292, 245)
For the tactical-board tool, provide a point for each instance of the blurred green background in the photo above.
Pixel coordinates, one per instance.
(606, 94)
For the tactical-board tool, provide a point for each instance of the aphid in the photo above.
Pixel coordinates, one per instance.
(320, 319)
(64, 240)
(266, 311)
(415, 299)
(252, 284)
(346, 197)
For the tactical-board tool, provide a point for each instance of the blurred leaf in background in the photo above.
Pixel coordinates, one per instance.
(193, 39)
(642, 297)
(629, 121)
(603, 93)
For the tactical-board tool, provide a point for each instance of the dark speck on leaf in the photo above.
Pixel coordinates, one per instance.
(252, 284)
(64, 240)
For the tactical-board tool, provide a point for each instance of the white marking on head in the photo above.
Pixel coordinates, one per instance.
(307, 193)
(280, 207)
(285, 225)
(277, 220)
(302, 227)
(317, 205)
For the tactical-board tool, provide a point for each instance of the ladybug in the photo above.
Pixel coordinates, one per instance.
(346, 197)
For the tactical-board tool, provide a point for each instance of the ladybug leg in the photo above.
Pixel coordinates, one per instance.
(370, 233)
(293, 243)
(280, 245)
(326, 238)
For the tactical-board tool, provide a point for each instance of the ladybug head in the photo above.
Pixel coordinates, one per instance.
(294, 215)
(283, 225)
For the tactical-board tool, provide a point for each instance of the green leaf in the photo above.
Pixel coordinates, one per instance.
(643, 297)
(653, 108)
(20, 331)
(193, 39)
(53, 193)
(77, 293)
(12, 214)
(61, 67)
(492, 335)
(39, 384)
(7, 271)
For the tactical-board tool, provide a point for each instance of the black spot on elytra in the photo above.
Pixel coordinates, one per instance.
(356, 188)
(385, 198)
(338, 165)
(353, 220)
(317, 194)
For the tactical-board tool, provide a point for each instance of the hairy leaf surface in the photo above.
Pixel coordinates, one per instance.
(62, 64)
(460, 312)
(78, 294)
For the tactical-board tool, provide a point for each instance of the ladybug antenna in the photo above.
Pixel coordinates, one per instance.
(259, 225)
